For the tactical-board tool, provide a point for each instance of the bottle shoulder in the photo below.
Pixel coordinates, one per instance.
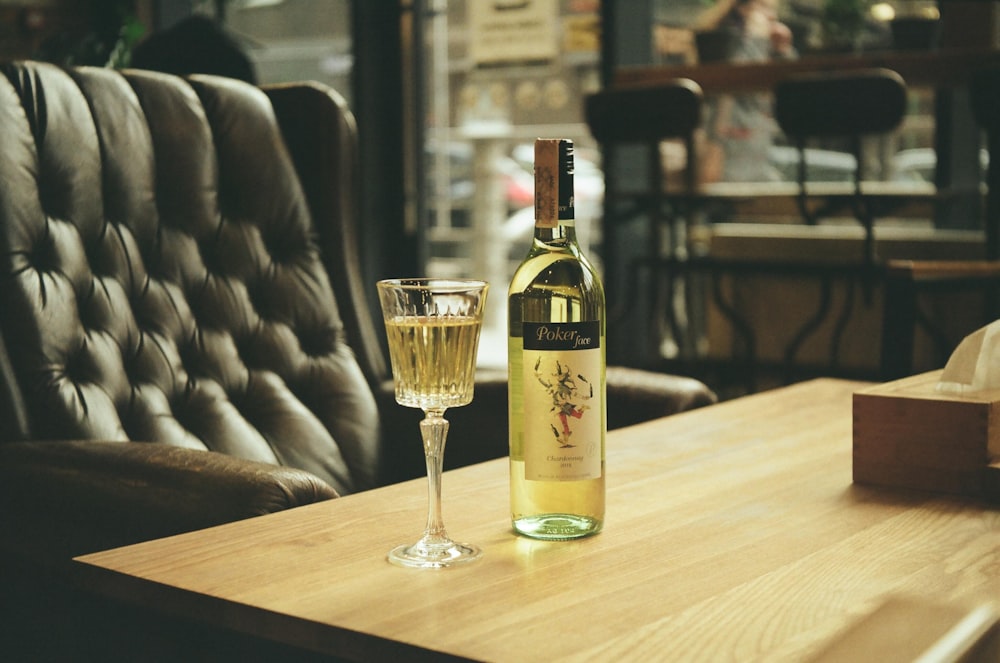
(548, 265)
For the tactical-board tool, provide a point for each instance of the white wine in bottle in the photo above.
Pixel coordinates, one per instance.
(556, 363)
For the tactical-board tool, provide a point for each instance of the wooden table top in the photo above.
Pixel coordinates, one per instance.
(733, 533)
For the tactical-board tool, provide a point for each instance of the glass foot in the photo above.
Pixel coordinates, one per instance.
(424, 555)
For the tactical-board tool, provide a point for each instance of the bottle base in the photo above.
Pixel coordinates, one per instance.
(557, 526)
(434, 555)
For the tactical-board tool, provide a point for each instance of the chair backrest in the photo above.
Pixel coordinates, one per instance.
(840, 103)
(648, 116)
(645, 115)
(321, 135)
(160, 274)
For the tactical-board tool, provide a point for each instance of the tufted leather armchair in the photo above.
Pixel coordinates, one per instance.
(161, 281)
(184, 335)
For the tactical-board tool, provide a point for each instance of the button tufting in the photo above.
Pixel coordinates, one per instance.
(320, 342)
(43, 251)
(164, 207)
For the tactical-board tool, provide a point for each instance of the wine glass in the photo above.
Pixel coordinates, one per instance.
(433, 330)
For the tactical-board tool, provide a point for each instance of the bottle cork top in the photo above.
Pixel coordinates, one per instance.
(553, 181)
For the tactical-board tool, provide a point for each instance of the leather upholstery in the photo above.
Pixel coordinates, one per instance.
(160, 276)
(172, 354)
(103, 494)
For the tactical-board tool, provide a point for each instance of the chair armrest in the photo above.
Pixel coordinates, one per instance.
(66, 498)
(478, 431)
(635, 395)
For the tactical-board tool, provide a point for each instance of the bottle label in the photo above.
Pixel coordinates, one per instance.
(563, 408)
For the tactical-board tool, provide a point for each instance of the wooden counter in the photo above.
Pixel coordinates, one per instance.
(733, 533)
(935, 69)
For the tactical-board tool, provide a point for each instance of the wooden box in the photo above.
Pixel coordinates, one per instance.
(909, 435)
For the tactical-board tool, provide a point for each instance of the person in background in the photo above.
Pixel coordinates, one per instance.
(743, 124)
(195, 45)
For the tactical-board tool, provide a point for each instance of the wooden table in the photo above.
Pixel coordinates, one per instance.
(733, 533)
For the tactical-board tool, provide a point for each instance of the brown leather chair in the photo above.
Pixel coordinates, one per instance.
(184, 334)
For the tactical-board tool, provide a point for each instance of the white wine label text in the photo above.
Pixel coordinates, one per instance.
(562, 335)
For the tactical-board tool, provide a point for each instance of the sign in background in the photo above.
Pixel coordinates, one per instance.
(508, 31)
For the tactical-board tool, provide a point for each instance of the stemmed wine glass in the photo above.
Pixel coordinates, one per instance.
(433, 328)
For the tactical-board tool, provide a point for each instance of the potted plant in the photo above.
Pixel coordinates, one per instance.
(916, 26)
(843, 23)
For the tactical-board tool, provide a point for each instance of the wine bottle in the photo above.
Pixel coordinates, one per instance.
(556, 364)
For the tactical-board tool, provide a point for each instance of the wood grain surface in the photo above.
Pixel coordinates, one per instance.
(734, 533)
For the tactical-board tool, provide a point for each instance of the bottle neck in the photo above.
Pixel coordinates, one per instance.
(564, 232)
(554, 201)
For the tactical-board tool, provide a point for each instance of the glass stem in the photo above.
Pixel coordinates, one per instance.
(434, 430)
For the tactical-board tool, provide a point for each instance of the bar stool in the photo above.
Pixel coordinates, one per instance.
(851, 106)
(847, 105)
(646, 117)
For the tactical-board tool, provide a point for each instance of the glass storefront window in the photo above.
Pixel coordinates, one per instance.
(500, 75)
(296, 40)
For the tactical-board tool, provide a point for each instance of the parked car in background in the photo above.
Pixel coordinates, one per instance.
(918, 164)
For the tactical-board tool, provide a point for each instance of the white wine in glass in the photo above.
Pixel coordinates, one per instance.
(433, 328)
